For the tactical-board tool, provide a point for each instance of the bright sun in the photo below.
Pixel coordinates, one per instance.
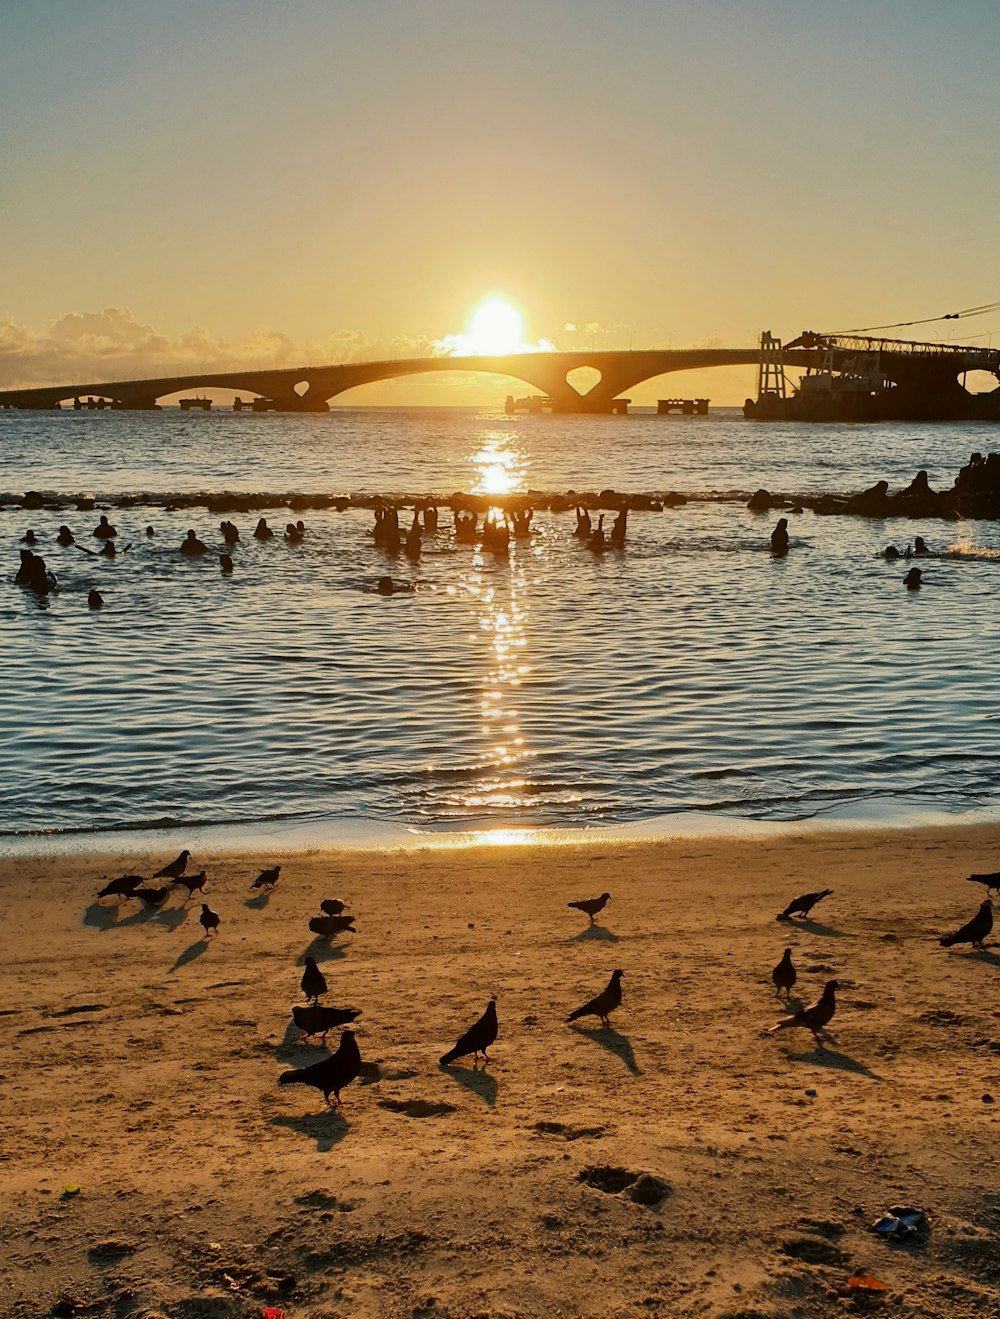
(495, 327)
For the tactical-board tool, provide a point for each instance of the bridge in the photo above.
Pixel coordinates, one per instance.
(921, 371)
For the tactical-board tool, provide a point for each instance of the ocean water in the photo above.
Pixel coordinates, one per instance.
(689, 676)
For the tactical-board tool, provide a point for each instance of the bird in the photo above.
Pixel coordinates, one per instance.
(152, 897)
(605, 1002)
(122, 887)
(974, 931)
(175, 868)
(802, 906)
(267, 878)
(591, 906)
(815, 1016)
(209, 919)
(332, 906)
(784, 975)
(477, 1039)
(992, 881)
(317, 1019)
(330, 1074)
(193, 883)
(327, 926)
(313, 980)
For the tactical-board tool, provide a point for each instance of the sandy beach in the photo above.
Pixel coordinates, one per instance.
(140, 1065)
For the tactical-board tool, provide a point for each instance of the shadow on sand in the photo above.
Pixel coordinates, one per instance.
(986, 955)
(841, 1062)
(599, 933)
(476, 1079)
(816, 927)
(190, 954)
(258, 902)
(327, 1128)
(99, 917)
(614, 1042)
(172, 917)
(321, 951)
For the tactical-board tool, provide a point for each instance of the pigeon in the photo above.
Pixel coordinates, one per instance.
(315, 1019)
(803, 905)
(332, 906)
(815, 1016)
(209, 919)
(605, 1002)
(123, 887)
(783, 975)
(991, 881)
(193, 883)
(267, 878)
(175, 868)
(477, 1039)
(152, 897)
(974, 931)
(327, 926)
(591, 906)
(330, 1074)
(313, 980)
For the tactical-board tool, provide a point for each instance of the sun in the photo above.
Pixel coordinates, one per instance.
(495, 327)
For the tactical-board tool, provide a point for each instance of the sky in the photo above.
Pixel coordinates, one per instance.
(215, 182)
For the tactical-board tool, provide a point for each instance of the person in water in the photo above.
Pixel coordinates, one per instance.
(95, 600)
(430, 518)
(33, 574)
(29, 538)
(912, 580)
(779, 537)
(150, 531)
(192, 545)
(890, 552)
(386, 586)
(596, 541)
(65, 536)
(225, 563)
(104, 530)
(262, 531)
(920, 549)
(583, 527)
(522, 521)
(292, 533)
(230, 532)
(619, 528)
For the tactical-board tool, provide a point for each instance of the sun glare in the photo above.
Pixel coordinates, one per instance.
(496, 327)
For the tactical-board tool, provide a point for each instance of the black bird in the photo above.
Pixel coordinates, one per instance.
(974, 931)
(332, 906)
(123, 887)
(152, 897)
(330, 1074)
(802, 906)
(991, 881)
(477, 1039)
(784, 975)
(175, 868)
(315, 1019)
(327, 926)
(591, 906)
(815, 1016)
(193, 883)
(209, 919)
(313, 980)
(606, 1001)
(267, 878)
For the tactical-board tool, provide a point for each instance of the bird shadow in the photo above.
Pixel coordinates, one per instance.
(190, 954)
(599, 933)
(327, 1129)
(100, 918)
(141, 917)
(321, 951)
(614, 1042)
(985, 955)
(476, 1079)
(841, 1062)
(817, 927)
(172, 917)
(259, 902)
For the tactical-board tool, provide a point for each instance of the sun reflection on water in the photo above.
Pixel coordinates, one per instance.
(500, 466)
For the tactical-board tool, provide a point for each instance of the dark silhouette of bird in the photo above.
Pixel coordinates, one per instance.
(209, 919)
(815, 1016)
(267, 878)
(313, 980)
(175, 868)
(477, 1039)
(330, 1074)
(974, 931)
(327, 926)
(193, 883)
(591, 906)
(803, 905)
(332, 906)
(991, 881)
(784, 975)
(317, 1019)
(606, 1001)
(152, 897)
(123, 887)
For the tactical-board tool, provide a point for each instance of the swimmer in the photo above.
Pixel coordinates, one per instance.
(582, 523)
(430, 518)
(596, 541)
(150, 531)
(779, 537)
(262, 531)
(192, 545)
(95, 600)
(29, 538)
(292, 533)
(465, 526)
(386, 586)
(33, 574)
(412, 547)
(920, 549)
(522, 521)
(104, 530)
(618, 529)
(912, 580)
(65, 536)
(890, 552)
(230, 532)
(225, 563)
(300, 527)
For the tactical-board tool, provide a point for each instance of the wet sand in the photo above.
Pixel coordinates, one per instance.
(140, 1063)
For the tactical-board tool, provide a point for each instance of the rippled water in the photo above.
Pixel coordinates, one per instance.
(690, 672)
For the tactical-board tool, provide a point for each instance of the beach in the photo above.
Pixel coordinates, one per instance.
(140, 1065)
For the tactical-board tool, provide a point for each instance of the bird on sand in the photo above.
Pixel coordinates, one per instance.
(175, 868)
(605, 1002)
(267, 878)
(152, 897)
(332, 906)
(327, 926)
(193, 883)
(992, 881)
(815, 1016)
(209, 919)
(591, 906)
(477, 1039)
(330, 1074)
(313, 980)
(315, 1019)
(122, 887)
(783, 975)
(974, 931)
(802, 905)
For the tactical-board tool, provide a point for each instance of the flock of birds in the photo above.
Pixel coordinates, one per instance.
(332, 1074)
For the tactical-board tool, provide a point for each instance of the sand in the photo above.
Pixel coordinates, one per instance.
(140, 1064)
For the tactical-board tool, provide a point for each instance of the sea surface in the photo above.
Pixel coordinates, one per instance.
(690, 677)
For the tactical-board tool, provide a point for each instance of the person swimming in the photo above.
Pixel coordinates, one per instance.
(619, 528)
(65, 537)
(230, 532)
(779, 537)
(292, 533)
(430, 518)
(29, 538)
(890, 552)
(522, 521)
(920, 549)
(150, 531)
(262, 531)
(104, 530)
(192, 545)
(597, 541)
(412, 544)
(33, 574)
(583, 527)
(912, 580)
(225, 563)
(466, 521)
(95, 600)
(386, 586)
